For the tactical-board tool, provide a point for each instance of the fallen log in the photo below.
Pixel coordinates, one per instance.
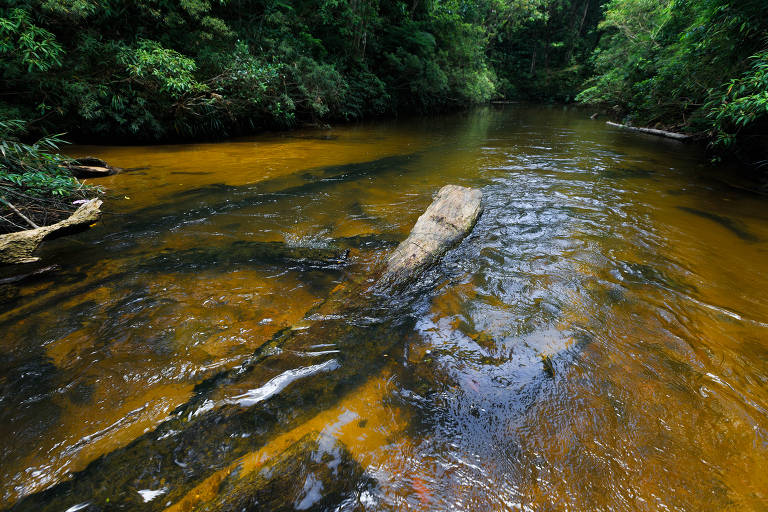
(91, 167)
(240, 410)
(651, 131)
(446, 221)
(18, 247)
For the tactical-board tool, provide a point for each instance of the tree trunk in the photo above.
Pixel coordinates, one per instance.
(652, 131)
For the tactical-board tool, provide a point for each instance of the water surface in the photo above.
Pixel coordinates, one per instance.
(600, 341)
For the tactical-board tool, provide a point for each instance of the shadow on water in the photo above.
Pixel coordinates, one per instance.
(732, 225)
(222, 198)
(312, 264)
(330, 255)
(215, 427)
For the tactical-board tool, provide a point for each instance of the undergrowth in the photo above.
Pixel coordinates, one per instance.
(36, 185)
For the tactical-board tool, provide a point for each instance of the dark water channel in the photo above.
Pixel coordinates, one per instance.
(599, 342)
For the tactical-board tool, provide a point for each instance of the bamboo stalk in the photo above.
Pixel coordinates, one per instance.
(17, 212)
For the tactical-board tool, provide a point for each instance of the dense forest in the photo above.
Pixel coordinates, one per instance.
(697, 66)
(162, 69)
(158, 69)
(151, 70)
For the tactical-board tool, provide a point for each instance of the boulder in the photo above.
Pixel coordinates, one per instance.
(18, 247)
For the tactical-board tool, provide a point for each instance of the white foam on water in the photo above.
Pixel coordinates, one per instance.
(277, 384)
(79, 506)
(149, 494)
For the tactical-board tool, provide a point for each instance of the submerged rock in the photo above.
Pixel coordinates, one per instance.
(18, 247)
(199, 445)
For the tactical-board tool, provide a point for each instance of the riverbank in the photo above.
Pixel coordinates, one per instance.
(40, 194)
(38, 185)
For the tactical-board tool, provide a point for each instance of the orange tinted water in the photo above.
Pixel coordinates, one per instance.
(600, 341)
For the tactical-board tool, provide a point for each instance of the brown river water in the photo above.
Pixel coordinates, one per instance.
(599, 342)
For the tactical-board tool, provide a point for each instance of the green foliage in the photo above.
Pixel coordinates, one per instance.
(25, 47)
(741, 103)
(156, 69)
(696, 65)
(70, 9)
(35, 170)
(161, 69)
(540, 48)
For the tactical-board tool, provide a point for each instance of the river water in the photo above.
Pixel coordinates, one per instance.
(599, 342)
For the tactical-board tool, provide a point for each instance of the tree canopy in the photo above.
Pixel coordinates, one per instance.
(694, 65)
(158, 69)
(176, 69)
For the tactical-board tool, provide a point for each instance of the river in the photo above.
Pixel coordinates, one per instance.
(599, 341)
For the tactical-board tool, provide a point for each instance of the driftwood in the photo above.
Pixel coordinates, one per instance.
(446, 221)
(362, 323)
(18, 247)
(91, 167)
(652, 131)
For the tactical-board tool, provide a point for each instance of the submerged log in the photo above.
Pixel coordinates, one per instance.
(18, 247)
(220, 198)
(210, 258)
(330, 253)
(240, 410)
(243, 252)
(651, 131)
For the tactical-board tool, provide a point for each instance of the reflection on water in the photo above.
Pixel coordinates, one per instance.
(600, 341)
